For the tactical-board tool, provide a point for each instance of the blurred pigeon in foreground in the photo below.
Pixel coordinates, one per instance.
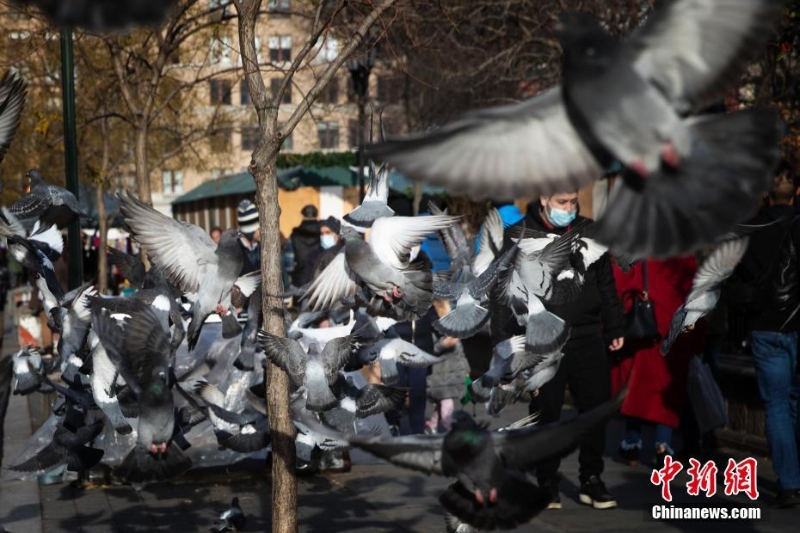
(706, 288)
(686, 180)
(491, 490)
(12, 100)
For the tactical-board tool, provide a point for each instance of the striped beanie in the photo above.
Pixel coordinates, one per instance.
(247, 217)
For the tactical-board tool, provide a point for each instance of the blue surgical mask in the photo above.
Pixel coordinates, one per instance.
(561, 218)
(327, 241)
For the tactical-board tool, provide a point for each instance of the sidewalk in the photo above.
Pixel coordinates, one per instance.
(373, 497)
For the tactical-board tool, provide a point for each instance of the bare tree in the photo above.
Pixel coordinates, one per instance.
(263, 168)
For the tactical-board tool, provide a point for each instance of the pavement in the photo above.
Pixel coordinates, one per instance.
(373, 497)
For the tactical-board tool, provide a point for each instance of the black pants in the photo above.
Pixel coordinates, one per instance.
(584, 368)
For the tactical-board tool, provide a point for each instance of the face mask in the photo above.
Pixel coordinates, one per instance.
(327, 241)
(561, 218)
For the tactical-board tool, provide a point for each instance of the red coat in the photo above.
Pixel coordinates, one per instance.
(657, 384)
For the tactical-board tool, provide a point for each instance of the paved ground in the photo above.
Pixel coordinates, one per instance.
(374, 496)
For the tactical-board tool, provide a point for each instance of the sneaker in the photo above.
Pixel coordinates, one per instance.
(630, 455)
(786, 499)
(551, 487)
(594, 493)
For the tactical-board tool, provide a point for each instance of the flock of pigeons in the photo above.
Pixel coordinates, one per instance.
(139, 377)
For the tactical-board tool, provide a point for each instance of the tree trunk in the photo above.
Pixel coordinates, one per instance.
(284, 484)
(140, 160)
(102, 261)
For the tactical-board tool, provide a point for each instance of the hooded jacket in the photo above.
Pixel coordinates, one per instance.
(305, 239)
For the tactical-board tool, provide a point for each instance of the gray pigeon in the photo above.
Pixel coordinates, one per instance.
(104, 380)
(626, 101)
(315, 370)
(28, 369)
(232, 519)
(240, 432)
(49, 203)
(35, 250)
(374, 205)
(706, 288)
(390, 351)
(12, 101)
(69, 446)
(191, 260)
(458, 248)
(101, 16)
(141, 353)
(75, 328)
(248, 344)
(491, 490)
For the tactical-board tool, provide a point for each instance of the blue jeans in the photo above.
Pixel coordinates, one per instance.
(633, 435)
(775, 360)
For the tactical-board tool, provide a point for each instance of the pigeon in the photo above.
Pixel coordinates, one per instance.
(491, 490)
(685, 180)
(503, 355)
(67, 447)
(49, 203)
(141, 353)
(28, 370)
(374, 205)
(75, 327)
(13, 91)
(391, 351)
(361, 402)
(469, 316)
(706, 287)
(232, 519)
(455, 243)
(36, 250)
(191, 260)
(248, 344)
(103, 379)
(101, 16)
(315, 370)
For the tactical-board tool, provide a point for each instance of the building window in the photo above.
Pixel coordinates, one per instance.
(390, 89)
(330, 94)
(328, 134)
(220, 50)
(274, 86)
(280, 48)
(244, 94)
(278, 6)
(220, 91)
(221, 140)
(249, 138)
(327, 50)
(172, 181)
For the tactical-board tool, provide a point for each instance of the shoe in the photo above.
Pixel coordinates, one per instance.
(594, 493)
(661, 454)
(786, 499)
(551, 487)
(630, 456)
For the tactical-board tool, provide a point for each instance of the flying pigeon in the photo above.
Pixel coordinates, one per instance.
(28, 370)
(103, 381)
(706, 288)
(390, 351)
(232, 519)
(374, 205)
(239, 432)
(49, 203)
(685, 180)
(458, 248)
(248, 344)
(491, 490)
(141, 354)
(190, 259)
(12, 100)
(36, 250)
(69, 446)
(315, 370)
(102, 16)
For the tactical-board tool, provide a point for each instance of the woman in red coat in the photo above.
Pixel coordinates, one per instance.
(657, 390)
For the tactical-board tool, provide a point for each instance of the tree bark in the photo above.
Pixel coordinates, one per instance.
(102, 260)
(140, 161)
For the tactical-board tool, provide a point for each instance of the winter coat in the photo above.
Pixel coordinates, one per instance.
(446, 379)
(597, 309)
(305, 239)
(657, 390)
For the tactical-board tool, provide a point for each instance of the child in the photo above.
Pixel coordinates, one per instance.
(446, 379)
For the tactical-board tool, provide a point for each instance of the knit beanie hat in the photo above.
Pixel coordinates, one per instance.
(247, 217)
(332, 224)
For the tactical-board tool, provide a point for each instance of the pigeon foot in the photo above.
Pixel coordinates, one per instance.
(221, 310)
(493, 495)
(638, 166)
(479, 497)
(670, 155)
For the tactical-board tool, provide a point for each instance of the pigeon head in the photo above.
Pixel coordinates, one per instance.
(586, 44)
(35, 177)
(350, 233)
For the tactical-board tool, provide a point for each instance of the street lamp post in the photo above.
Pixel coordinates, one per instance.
(359, 72)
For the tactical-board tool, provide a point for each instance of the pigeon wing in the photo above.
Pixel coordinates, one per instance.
(182, 250)
(689, 49)
(12, 101)
(392, 238)
(285, 353)
(335, 355)
(334, 282)
(718, 266)
(491, 241)
(525, 149)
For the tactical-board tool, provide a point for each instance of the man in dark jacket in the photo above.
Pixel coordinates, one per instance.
(597, 323)
(305, 239)
(329, 245)
(769, 272)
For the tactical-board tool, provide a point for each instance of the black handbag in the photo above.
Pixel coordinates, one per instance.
(640, 320)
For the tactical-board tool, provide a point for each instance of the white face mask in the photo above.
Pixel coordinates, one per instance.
(413, 253)
(327, 241)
